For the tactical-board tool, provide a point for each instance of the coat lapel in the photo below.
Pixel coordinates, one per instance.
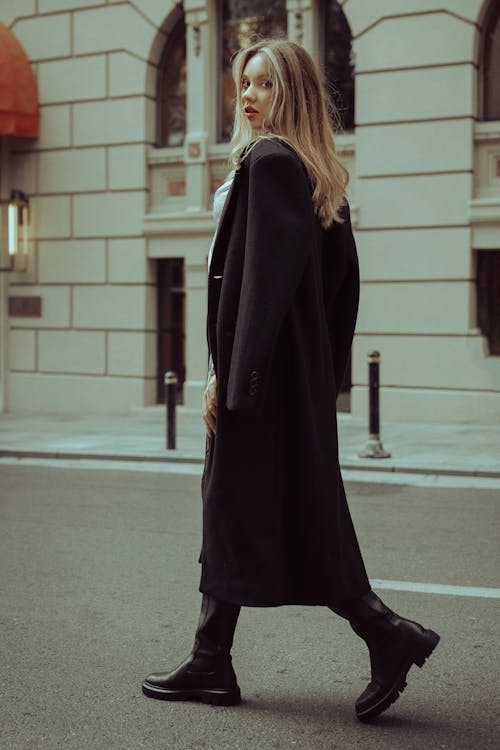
(218, 255)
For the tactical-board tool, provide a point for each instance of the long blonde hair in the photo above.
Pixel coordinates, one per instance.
(302, 114)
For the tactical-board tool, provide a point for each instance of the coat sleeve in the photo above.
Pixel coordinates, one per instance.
(277, 243)
(341, 291)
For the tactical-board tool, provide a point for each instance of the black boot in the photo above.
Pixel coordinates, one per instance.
(207, 674)
(394, 644)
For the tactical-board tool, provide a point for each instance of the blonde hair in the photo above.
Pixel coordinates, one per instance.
(302, 114)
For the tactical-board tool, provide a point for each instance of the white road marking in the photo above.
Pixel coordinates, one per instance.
(482, 592)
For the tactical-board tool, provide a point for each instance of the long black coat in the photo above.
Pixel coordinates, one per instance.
(282, 305)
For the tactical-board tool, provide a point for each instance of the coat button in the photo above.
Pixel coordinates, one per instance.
(254, 379)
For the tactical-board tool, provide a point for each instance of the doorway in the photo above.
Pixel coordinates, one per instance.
(171, 324)
(488, 297)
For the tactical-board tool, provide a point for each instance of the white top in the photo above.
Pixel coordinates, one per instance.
(220, 196)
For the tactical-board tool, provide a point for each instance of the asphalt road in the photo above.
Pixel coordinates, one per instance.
(99, 586)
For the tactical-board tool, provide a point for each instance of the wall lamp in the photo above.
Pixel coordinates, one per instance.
(14, 232)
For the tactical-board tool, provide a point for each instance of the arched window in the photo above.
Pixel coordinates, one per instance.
(339, 61)
(171, 99)
(239, 21)
(490, 64)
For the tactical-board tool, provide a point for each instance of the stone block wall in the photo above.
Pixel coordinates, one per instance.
(94, 347)
(416, 107)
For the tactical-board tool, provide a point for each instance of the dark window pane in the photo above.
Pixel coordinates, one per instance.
(338, 61)
(171, 322)
(240, 20)
(491, 65)
(172, 89)
(488, 297)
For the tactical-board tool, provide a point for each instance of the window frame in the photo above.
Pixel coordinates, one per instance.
(219, 46)
(172, 38)
(322, 50)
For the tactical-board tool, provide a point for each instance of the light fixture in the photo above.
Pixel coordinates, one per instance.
(14, 232)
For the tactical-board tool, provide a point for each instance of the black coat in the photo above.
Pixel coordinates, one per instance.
(282, 305)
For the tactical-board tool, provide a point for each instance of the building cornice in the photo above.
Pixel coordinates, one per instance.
(185, 224)
(485, 210)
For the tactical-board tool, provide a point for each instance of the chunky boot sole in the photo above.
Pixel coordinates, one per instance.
(214, 696)
(392, 693)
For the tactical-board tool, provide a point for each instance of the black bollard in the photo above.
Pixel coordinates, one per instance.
(374, 447)
(170, 403)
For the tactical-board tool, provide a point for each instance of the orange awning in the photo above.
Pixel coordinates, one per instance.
(19, 110)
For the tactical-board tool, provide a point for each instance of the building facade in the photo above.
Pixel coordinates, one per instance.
(135, 110)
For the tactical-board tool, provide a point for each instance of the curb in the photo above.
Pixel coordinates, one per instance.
(5, 453)
(373, 466)
(408, 469)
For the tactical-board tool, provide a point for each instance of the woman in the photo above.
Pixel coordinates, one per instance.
(282, 305)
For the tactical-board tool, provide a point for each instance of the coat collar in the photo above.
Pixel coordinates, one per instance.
(218, 254)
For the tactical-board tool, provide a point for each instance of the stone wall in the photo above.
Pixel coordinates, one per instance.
(94, 347)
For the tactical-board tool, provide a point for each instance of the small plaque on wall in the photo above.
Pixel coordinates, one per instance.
(177, 187)
(25, 307)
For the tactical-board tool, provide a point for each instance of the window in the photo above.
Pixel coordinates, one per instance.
(488, 297)
(490, 64)
(171, 100)
(339, 61)
(239, 21)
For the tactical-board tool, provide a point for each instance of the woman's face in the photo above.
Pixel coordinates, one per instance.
(256, 91)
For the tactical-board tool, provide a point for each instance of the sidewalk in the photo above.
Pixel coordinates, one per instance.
(464, 450)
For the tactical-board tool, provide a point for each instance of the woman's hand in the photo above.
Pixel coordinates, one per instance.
(210, 404)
